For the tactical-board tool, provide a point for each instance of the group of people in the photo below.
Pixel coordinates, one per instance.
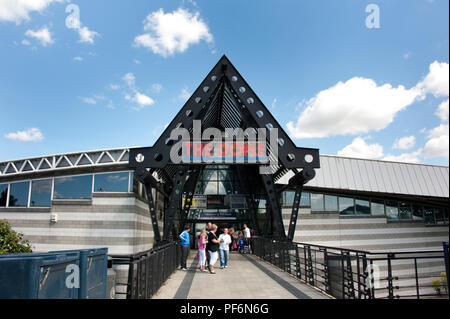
(212, 246)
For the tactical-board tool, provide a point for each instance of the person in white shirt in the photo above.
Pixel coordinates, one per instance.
(247, 237)
(224, 248)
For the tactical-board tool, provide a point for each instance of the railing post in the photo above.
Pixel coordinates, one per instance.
(390, 279)
(417, 278)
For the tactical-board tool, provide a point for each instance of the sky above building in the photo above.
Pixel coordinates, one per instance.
(365, 79)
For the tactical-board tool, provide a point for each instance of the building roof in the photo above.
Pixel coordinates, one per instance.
(352, 174)
(338, 173)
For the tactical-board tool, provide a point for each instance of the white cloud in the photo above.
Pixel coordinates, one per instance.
(19, 10)
(43, 35)
(404, 143)
(142, 100)
(78, 58)
(442, 111)
(360, 149)
(436, 81)
(274, 103)
(30, 135)
(156, 87)
(184, 95)
(438, 143)
(405, 157)
(130, 79)
(88, 100)
(356, 106)
(86, 35)
(114, 87)
(170, 33)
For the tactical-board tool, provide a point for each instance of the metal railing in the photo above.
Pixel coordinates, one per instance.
(357, 274)
(149, 270)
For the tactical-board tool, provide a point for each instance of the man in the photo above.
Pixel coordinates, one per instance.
(224, 248)
(184, 237)
(247, 237)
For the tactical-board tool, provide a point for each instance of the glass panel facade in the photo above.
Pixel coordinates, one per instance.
(18, 194)
(429, 215)
(377, 207)
(288, 198)
(41, 193)
(392, 210)
(362, 207)
(305, 199)
(331, 203)
(417, 212)
(317, 202)
(346, 206)
(405, 211)
(3, 194)
(439, 216)
(112, 182)
(75, 187)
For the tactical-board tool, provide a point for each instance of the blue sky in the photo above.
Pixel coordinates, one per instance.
(118, 76)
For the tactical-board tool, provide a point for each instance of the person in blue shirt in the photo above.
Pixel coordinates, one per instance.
(184, 237)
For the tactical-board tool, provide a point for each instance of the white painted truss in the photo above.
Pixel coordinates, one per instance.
(65, 161)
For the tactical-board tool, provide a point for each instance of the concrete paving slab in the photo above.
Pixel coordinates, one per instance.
(247, 277)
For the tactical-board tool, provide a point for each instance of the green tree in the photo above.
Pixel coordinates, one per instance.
(12, 242)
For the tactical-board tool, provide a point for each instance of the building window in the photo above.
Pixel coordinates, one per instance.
(288, 198)
(331, 203)
(439, 216)
(417, 212)
(111, 182)
(392, 210)
(41, 193)
(18, 194)
(75, 187)
(377, 207)
(362, 207)
(317, 202)
(405, 211)
(346, 206)
(305, 200)
(429, 216)
(3, 194)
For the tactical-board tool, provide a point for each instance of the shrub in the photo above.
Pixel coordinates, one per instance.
(12, 242)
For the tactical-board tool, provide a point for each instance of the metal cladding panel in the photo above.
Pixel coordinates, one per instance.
(349, 173)
(380, 176)
(365, 179)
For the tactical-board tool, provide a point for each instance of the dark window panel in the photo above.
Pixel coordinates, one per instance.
(18, 194)
(3, 194)
(429, 216)
(74, 187)
(346, 206)
(41, 193)
(439, 216)
(405, 211)
(417, 212)
(111, 182)
(288, 198)
(362, 207)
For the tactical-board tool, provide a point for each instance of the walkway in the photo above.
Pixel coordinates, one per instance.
(246, 277)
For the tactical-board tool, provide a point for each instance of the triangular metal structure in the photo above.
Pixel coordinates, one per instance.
(224, 100)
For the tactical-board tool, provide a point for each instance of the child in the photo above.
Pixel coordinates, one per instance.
(241, 243)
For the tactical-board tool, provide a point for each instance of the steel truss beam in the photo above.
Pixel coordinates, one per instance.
(224, 78)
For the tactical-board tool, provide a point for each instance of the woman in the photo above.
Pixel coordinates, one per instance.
(213, 247)
(202, 250)
(234, 238)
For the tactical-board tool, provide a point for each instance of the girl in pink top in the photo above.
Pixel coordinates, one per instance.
(201, 250)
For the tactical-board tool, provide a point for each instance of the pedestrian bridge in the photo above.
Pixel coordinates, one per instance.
(246, 277)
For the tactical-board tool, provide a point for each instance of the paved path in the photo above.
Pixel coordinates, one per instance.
(247, 277)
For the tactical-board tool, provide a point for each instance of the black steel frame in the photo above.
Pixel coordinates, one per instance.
(349, 274)
(182, 177)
